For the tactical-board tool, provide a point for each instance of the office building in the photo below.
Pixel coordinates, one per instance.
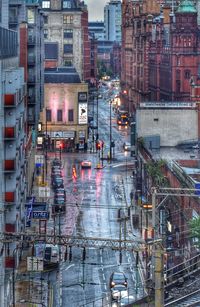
(113, 21)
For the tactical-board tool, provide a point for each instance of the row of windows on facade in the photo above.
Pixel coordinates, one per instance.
(67, 33)
(47, 4)
(60, 115)
(31, 17)
(67, 19)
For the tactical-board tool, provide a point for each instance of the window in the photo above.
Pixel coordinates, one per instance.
(59, 115)
(31, 16)
(187, 74)
(46, 4)
(45, 33)
(45, 19)
(48, 115)
(68, 33)
(68, 63)
(68, 48)
(71, 115)
(66, 4)
(67, 19)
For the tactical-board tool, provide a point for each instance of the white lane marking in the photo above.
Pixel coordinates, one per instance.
(104, 277)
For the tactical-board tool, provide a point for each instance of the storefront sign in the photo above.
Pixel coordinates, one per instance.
(82, 113)
(62, 134)
(82, 96)
(40, 215)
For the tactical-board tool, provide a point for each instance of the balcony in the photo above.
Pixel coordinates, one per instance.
(31, 60)
(10, 100)
(9, 197)
(9, 166)
(9, 262)
(9, 133)
(9, 227)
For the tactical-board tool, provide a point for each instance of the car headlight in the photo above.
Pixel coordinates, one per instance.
(112, 284)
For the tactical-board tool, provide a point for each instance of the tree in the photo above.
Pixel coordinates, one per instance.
(194, 226)
(154, 171)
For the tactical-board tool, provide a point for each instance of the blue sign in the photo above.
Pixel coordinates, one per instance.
(29, 210)
(197, 187)
(44, 215)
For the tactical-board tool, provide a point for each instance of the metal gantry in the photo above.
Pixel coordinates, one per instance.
(66, 240)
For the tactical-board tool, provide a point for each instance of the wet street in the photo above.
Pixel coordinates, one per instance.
(96, 207)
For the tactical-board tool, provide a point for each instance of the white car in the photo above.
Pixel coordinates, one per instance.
(127, 146)
(86, 164)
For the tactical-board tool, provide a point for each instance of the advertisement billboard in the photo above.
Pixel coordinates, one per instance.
(82, 113)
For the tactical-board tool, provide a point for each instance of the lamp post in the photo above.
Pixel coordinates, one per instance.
(125, 153)
(110, 130)
(46, 139)
(13, 273)
(97, 135)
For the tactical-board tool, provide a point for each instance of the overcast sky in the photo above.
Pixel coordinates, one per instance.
(95, 9)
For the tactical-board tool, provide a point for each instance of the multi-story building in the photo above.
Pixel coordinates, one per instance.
(12, 153)
(113, 21)
(96, 30)
(66, 24)
(175, 44)
(26, 17)
(64, 117)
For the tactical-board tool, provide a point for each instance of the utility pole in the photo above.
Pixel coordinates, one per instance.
(159, 284)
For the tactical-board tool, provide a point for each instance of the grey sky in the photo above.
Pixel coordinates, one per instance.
(95, 9)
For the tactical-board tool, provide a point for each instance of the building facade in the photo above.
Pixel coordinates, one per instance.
(13, 144)
(112, 21)
(96, 30)
(66, 24)
(65, 116)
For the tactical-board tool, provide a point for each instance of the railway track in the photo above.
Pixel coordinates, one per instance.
(191, 299)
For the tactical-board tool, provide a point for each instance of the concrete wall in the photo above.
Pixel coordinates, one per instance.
(173, 125)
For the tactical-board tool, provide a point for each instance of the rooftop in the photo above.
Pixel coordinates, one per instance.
(61, 75)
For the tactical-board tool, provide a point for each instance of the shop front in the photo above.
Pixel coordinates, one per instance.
(63, 139)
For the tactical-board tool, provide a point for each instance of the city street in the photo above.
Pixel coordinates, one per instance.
(97, 201)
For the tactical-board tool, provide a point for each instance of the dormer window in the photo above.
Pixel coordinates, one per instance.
(67, 4)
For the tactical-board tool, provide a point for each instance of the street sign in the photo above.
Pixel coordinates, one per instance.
(35, 264)
(44, 192)
(44, 215)
(39, 159)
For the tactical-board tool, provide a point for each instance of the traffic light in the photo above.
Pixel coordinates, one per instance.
(98, 145)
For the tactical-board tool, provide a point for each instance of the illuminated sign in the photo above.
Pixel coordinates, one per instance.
(82, 113)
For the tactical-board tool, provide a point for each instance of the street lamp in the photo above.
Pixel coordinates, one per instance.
(110, 130)
(125, 153)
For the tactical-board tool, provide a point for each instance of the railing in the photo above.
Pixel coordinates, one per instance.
(182, 271)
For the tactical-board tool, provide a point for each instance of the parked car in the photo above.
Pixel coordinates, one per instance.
(56, 162)
(57, 182)
(118, 278)
(86, 164)
(60, 191)
(127, 146)
(59, 201)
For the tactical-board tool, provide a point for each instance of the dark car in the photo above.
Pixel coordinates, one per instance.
(56, 162)
(60, 191)
(57, 173)
(59, 201)
(57, 182)
(118, 278)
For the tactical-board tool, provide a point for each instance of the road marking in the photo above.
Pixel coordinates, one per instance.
(104, 277)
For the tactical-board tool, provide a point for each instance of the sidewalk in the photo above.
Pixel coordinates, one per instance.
(30, 288)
